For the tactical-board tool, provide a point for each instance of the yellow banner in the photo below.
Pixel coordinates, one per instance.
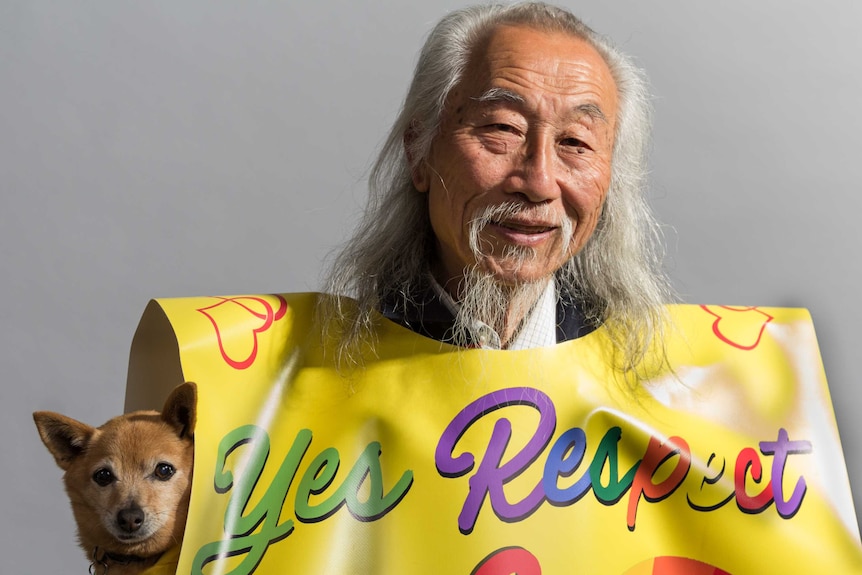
(433, 459)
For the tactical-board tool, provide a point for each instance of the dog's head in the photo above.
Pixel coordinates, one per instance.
(129, 481)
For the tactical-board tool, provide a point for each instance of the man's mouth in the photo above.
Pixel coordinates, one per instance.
(516, 225)
(522, 233)
(525, 228)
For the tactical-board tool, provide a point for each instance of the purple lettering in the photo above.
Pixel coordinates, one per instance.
(780, 450)
(492, 474)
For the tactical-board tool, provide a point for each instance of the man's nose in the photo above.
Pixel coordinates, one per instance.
(535, 178)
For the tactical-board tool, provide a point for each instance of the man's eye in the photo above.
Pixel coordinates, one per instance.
(164, 471)
(579, 146)
(504, 128)
(103, 476)
(573, 142)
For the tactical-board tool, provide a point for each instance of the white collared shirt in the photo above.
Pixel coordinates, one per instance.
(538, 329)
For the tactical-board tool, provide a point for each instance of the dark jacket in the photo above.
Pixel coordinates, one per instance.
(428, 316)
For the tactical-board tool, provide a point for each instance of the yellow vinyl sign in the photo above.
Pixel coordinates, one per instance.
(426, 458)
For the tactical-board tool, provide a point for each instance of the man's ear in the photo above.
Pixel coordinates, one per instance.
(419, 170)
(419, 174)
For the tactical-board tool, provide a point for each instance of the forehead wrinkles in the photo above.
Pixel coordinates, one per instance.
(538, 67)
(558, 76)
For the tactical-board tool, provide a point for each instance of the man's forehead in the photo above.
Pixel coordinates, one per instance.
(519, 63)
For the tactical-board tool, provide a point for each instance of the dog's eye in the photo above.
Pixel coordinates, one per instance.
(103, 476)
(164, 471)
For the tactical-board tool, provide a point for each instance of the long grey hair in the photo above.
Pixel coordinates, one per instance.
(616, 277)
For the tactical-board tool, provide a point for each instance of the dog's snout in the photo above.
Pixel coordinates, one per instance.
(130, 519)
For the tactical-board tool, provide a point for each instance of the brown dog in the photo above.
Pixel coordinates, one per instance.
(129, 481)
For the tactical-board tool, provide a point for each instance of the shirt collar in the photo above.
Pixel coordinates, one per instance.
(538, 329)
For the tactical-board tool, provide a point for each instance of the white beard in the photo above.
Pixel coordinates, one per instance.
(483, 297)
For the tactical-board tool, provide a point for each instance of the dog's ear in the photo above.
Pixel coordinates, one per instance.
(180, 407)
(65, 438)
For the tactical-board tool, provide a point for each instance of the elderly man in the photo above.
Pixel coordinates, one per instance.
(507, 206)
(507, 213)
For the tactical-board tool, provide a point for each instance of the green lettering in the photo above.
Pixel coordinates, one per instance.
(318, 477)
(607, 452)
(377, 505)
(239, 525)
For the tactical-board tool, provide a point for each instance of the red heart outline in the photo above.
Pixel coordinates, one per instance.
(269, 317)
(735, 309)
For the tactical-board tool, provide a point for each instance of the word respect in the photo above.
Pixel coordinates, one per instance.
(668, 459)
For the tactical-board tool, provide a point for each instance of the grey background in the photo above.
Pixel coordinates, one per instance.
(155, 149)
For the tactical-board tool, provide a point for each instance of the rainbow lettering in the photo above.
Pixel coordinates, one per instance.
(567, 453)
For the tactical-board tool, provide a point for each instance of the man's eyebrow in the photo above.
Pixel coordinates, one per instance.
(492, 95)
(592, 111)
(500, 95)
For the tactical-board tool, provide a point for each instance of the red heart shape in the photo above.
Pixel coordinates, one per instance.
(260, 316)
(741, 327)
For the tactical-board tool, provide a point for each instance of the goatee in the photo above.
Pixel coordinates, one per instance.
(483, 296)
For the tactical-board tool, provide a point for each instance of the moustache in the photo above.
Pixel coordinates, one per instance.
(521, 214)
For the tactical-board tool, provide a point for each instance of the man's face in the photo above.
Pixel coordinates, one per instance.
(532, 125)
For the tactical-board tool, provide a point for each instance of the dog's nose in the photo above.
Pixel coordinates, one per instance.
(130, 519)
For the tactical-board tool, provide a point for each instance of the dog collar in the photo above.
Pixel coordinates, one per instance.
(107, 558)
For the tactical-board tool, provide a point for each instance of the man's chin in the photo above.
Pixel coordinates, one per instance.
(514, 274)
